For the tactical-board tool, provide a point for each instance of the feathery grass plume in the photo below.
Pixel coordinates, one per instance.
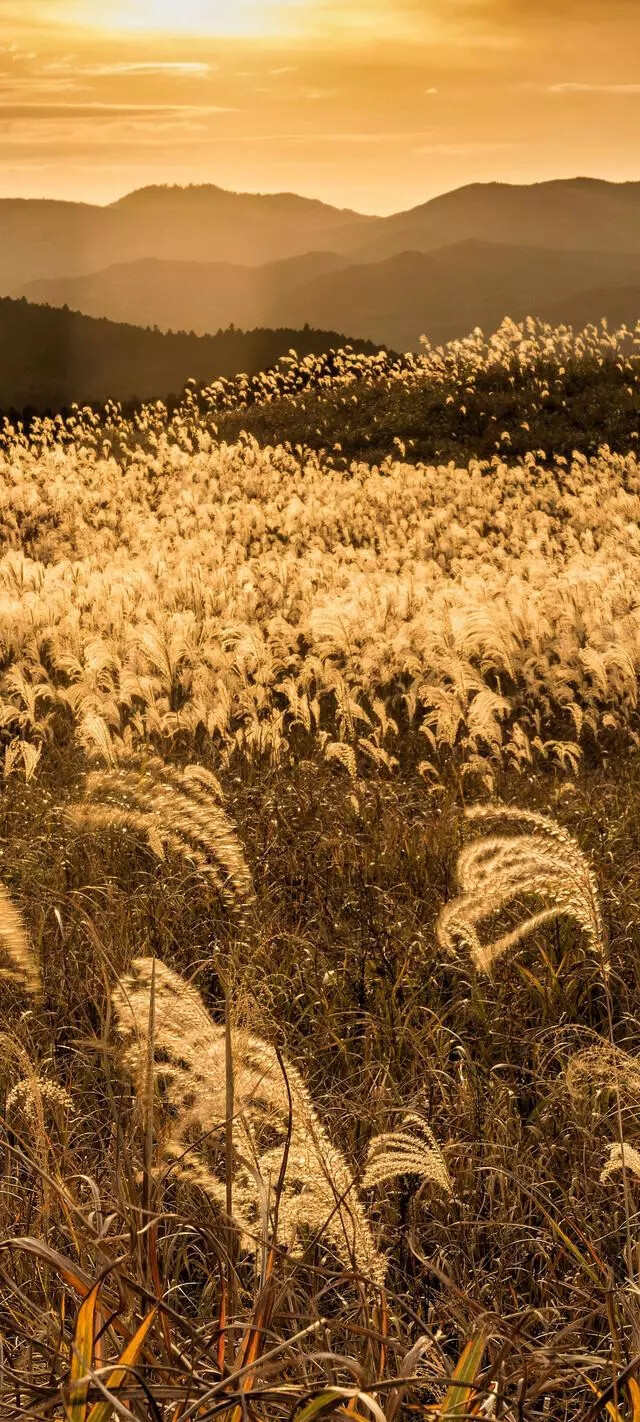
(29, 1095)
(499, 871)
(603, 1067)
(24, 1095)
(94, 734)
(318, 1194)
(344, 755)
(621, 1157)
(14, 941)
(175, 809)
(412, 1149)
(22, 751)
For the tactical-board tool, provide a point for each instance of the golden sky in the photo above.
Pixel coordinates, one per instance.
(372, 104)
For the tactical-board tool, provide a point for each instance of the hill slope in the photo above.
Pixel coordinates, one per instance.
(51, 359)
(581, 214)
(442, 294)
(446, 293)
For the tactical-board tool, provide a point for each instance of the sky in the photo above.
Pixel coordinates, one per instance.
(370, 104)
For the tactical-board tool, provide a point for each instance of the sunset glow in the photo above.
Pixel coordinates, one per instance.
(217, 18)
(375, 105)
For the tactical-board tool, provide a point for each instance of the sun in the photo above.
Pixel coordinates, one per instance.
(224, 18)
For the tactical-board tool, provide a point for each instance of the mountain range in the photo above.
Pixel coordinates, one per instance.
(200, 259)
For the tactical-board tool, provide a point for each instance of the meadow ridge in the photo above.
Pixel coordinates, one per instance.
(321, 1098)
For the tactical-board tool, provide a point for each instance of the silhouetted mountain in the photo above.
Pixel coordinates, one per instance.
(618, 305)
(52, 239)
(446, 293)
(581, 214)
(184, 296)
(442, 294)
(41, 239)
(52, 358)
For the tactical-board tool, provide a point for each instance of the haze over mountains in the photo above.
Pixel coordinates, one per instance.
(43, 238)
(443, 293)
(200, 258)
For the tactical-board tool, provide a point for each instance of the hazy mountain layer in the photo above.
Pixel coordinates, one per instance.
(187, 296)
(207, 224)
(442, 294)
(582, 214)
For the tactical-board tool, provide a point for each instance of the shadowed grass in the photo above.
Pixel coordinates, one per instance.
(347, 965)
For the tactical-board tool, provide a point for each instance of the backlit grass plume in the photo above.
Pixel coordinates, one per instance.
(410, 1150)
(603, 1067)
(15, 945)
(174, 809)
(500, 871)
(621, 1157)
(318, 1195)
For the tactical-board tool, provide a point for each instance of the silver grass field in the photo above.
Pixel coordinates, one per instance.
(319, 914)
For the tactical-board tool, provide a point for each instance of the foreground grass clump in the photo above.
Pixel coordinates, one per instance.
(320, 1092)
(340, 969)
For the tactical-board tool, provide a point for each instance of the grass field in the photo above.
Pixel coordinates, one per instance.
(289, 1130)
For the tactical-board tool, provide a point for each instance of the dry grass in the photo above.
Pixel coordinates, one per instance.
(317, 1109)
(498, 871)
(288, 1181)
(346, 975)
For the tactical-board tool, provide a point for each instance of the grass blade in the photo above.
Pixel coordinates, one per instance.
(462, 1385)
(82, 1357)
(102, 1411)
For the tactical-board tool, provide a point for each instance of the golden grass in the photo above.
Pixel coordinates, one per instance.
(275, 1127)
(497, 872)
(338, 659)
(14, 941)
(174, 809)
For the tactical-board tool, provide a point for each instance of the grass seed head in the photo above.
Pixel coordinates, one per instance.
(318, 1195)
(498, 872)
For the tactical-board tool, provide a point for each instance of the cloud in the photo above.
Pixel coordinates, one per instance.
(64, 112)
(577, 88)
(541, 14)
(84, 138)
(166, 68)
(18, 84)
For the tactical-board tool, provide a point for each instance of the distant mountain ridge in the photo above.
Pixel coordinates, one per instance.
(443, 294)
(189, 296)
(43, 238)
(56, 239)
(575, 214)
(199, 258)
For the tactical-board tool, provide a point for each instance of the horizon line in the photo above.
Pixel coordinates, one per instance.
(324, 202)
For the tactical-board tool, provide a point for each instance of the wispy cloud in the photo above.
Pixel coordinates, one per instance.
(19, 84)
(165, 68)
(72, 112)
(380, 138)
(571, 87)
(153, 132)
